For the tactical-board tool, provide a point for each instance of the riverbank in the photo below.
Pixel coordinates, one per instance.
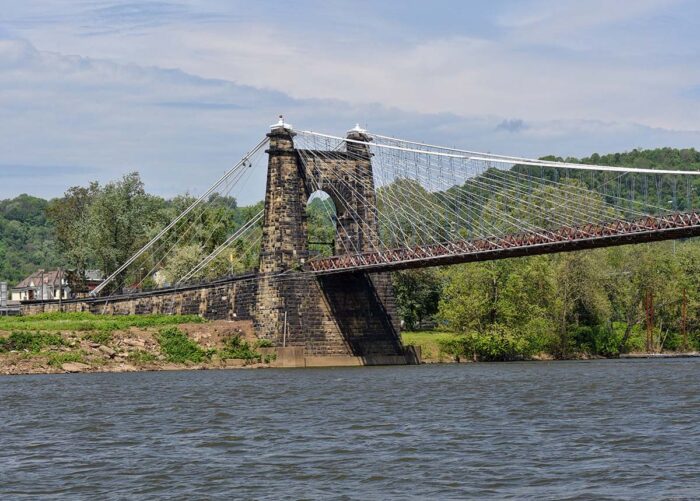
(59, 343)
(82, 342)
(436, 347)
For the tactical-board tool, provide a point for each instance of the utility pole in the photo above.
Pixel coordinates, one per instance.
(60, 290)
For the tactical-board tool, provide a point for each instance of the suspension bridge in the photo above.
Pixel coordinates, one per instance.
(391, 204)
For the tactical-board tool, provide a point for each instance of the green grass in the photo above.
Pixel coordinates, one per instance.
(58, 359)
(141, 357)
(429, 342)
(61, 322)
(101, 337)
(178, 348)
(30, 341)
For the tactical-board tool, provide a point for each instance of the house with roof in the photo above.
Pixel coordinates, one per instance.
(56, 284)
(42, 285)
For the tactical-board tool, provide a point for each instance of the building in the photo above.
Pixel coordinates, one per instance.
(42, 285)
(82, 286)
(72, 285)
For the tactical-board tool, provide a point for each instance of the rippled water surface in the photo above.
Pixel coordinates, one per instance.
(603, 429)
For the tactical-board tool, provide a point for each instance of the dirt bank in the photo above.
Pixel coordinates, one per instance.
(131, 349)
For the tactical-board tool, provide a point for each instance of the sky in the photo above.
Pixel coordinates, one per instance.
(180, 90)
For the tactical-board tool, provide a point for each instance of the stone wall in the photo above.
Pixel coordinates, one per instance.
(221, 300)
(339, 315)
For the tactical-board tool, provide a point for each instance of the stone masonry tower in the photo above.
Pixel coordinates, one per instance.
(343, 315)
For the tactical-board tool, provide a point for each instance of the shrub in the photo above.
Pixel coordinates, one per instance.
(30, 341)
(237, 347)
(458, 347)
(178, 348)
(496, 343)
(263, 343)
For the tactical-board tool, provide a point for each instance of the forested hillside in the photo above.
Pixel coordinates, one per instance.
(27, 240)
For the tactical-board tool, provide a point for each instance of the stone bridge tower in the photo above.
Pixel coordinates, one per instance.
(347, 314)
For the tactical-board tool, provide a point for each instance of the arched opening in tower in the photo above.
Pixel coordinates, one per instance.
(322, 223)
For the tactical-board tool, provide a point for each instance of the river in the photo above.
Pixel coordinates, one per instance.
(617, 429)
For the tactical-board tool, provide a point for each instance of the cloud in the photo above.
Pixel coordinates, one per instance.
(547, 18)
(541, 60)
(512, 125)
(195, 105)
(104, 118)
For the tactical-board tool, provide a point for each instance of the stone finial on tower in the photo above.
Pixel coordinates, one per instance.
(358, 134)
(357, 129)
(281, 125)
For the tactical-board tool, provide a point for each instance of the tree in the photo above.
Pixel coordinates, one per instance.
(70, 216)
(580, 296)
(121, 217)
(501, 304)
(26, 238)
(417, 295)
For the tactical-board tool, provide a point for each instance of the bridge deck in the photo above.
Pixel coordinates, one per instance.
(564, 239)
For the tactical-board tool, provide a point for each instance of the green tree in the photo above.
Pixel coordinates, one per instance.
(70, 216)
(417, 295)
(121, 218)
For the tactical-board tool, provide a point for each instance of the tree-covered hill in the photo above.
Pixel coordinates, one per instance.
(27, 240)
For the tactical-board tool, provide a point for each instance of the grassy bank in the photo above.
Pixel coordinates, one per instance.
(63, 322)
(431, 344)
(77, 342)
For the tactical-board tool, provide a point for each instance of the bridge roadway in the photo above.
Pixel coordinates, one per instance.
(563, 239)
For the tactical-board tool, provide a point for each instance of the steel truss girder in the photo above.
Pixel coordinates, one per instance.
(563, 239)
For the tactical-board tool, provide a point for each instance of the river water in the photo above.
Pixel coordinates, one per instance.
(561, 430)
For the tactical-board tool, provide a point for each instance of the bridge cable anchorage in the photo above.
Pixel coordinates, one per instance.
(230, 179)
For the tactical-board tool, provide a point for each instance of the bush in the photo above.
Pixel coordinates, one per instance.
(237, 347)
(496, 343)
(636, 340)
(178, 348)
(599, 340)
(672, 342)
(263, 343)
(458, 347)
(30, 341)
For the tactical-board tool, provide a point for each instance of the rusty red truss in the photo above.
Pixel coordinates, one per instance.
(563, 239)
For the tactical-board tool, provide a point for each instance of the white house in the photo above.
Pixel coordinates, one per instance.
(42, 285)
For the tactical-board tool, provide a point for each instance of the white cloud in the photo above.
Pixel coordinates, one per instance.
(553, 60)
(116, 107)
